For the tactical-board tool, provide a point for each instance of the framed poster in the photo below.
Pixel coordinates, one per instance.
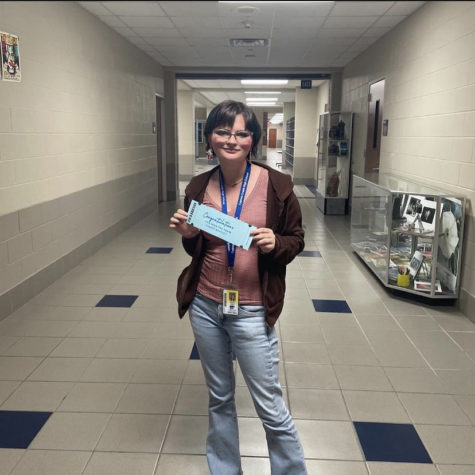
(10, 57)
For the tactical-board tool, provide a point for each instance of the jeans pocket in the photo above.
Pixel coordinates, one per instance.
(251, 310)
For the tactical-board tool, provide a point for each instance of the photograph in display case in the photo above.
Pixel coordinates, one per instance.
(426, 286)
(416, 263)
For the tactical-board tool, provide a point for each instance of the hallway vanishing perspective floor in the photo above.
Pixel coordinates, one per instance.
(98, 375)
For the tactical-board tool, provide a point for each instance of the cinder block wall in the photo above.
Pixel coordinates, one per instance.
(428, 62)
(77, 151)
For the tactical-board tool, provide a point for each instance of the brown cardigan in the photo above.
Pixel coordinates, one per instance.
(283, 217)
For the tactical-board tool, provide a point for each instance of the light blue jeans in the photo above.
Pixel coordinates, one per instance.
(255, 345)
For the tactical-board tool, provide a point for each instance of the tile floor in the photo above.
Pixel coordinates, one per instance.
(377, 384)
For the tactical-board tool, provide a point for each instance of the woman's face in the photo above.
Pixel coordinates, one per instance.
(234, 147)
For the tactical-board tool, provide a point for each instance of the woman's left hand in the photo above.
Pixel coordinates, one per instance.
(264, 238)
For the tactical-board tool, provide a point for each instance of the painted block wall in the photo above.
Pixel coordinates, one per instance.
(428, 62)
(77, 150)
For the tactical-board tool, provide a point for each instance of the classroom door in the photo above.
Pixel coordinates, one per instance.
(272, 138)
(375, 120)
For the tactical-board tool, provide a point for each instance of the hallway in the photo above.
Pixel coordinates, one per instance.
(117, 389)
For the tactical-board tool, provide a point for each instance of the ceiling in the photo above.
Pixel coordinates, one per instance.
(184, 34)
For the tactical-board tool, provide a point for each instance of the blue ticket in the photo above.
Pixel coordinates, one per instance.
(221, 225)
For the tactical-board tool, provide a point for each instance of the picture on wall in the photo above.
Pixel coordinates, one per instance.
(10, 57)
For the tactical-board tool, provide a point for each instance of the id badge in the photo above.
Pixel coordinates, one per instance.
(230, 301)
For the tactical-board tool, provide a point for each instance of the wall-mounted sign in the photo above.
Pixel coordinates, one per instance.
(306, 84)
(10, 57)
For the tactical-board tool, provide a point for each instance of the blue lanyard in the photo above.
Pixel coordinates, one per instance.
(231, 248)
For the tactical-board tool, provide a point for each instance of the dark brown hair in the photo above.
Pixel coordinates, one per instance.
(224, 115)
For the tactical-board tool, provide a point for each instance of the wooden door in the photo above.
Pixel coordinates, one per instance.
(272, 138)
(375, 120)
(158, 132)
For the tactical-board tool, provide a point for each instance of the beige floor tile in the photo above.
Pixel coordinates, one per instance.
(52, 462)
(317, 404)
(8, 459)
(33, 346)
(387, 468)
(467, 403)
(300, 352)
(148, 399)
(37, 396)
(252, 437)
(160, 371)
(7, 388)
(78, 347)
(17, 367)
(335, 467)
(372, 406)
(433, 409)
(352, 354)
(110, 370)
(168, 349)
(369, 378)
(193, 400)
(186, 435)
(93, 397)
(456, 469)
(305, 375)
(60, 369)
(415, 380)
(114, 463)
(182, 465)
(123, 348)
(133, 433)
(331, 440)
(449, 444)
(71, 431)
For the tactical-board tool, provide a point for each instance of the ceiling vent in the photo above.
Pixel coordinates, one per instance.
(248, 42)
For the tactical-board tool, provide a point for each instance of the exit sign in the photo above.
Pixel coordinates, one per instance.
(306, 84)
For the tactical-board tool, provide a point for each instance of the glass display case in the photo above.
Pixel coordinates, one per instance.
(289, 142)
(333, 162)
(408, 234)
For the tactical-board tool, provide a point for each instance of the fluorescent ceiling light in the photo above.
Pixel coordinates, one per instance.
(264, 81)
(262, 92)
(260, 99)
(258, 104)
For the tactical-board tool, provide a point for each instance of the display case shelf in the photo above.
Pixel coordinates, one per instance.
(408, 234)
(333, 161)
(289, 142)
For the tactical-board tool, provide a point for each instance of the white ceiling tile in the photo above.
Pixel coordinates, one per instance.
(299, 33)
(147, 21)
(375, 32)
(177, 42)
(404, 8)
(294, 23)
(195, 22)
(134, 8)
(195, 9)
(239, 23)
(147, 32)
(205, 42)
(340, 32)
(309, 9)
(125, 31)
(389, 21)
(112, 20)
(95, 8)
(360, 8)
(350, 22)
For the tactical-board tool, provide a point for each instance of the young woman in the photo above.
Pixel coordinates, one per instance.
(262, 197)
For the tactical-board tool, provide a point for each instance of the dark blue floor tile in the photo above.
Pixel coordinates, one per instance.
(335, 306)
(310, 254)
(382, 442)
(117, 301)
(19, 428)
(195, 354)
(159, 250)
(312, 189)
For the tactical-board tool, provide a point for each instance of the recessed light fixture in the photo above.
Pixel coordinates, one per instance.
(264, 81)
(262, 92)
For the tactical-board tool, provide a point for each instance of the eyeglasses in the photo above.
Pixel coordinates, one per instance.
(240, 135)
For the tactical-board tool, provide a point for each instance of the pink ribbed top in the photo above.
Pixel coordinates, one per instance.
(214, 272)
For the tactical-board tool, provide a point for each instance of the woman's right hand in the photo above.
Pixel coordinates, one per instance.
(179, 224)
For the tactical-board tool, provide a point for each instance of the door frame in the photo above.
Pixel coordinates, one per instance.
(160, 146)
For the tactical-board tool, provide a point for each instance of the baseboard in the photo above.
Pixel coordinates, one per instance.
(26, 290)
(466, 304)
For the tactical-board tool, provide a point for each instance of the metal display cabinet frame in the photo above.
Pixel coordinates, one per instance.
(409, 234)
